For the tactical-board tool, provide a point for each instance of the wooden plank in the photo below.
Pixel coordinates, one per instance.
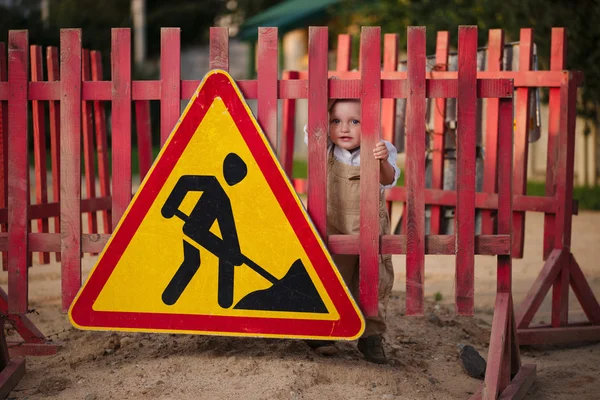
(388, 106)
(495, 359)
(54, 121)
(101, 142)
(344, 52)
(267, 73)
(370, 122)
(3, 149)
(88, 143)
(439, 84)
(565, 167)
(439, 125)
(560, 298)
(466, 110)
(121, 118)
(482, 200)
(144, 136)
(520, 384)
(505, 198)
(39, 144)
(558, 58)
(219, 48)
(286, 144)
(540, 287)
(170, 81)
(298, 89)
(521, 151)
(317, 128)
(550, 335)
(37, 211)
(70, 168)
(490, 174)
(18, 175)
(415, 172)
(583, 292)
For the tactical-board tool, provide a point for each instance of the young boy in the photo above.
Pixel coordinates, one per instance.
(343, 213)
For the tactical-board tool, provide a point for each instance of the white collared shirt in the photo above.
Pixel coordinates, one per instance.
(353, 158)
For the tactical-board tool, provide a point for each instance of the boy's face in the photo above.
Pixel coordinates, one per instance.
(344, 124)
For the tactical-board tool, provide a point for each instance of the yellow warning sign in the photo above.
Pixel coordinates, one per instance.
(216, 241)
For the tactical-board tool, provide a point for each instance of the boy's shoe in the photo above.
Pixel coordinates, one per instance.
(372, 349)
(322, 347)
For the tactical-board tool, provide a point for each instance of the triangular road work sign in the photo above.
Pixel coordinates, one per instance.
(216, 241)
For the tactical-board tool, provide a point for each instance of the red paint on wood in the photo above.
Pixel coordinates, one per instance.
(170, 81)
(466, 138)
(344, 52)
(54, 120)
(219, 48)
(3, 149)
(490, 174)
(505, 198)
(369, 170)
(317, 128)
(415, 172)
(388, 106)
(88, 144)
(583, 292)
(70, 169)
(101, 142)
(560, 335)
(267, 73)
(18, 172)
(286, 144)
(496, 354)
(558, 58)
(144, 136)
(522, 113)
(560, 298)
(121, 117)
(39, 144)
(439, 125)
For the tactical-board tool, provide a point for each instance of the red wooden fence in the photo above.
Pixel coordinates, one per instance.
(370, 84)
(557, 205)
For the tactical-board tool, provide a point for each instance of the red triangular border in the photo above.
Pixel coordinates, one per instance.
(217, 83)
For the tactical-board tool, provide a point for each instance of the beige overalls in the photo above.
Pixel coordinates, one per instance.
(343, 217)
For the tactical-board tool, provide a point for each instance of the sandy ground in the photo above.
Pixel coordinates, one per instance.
(423, 351)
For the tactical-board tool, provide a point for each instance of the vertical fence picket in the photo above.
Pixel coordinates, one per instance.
(415, 172)
(18, 176)
(70, 169)
(143, 129)
(121, 122)
(101, 141)
(170, 81)
(344, 53)
(522, 113)
(88, 144)
(3, 149)
(370, 96)
(558, 57)
(39, 144)
(439, 124)
(266, 75)
(219, 48)
(317, 128)
(54, 120)
(466, 138)
(490, 169)
(388, 106)
(286, 144)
